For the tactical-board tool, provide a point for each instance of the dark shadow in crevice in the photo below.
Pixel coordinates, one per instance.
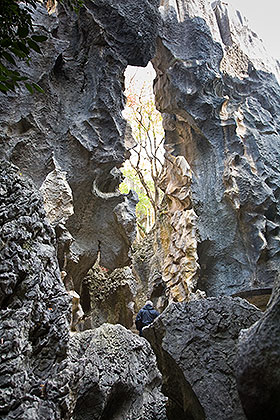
(118, 402)
(183, 403)
(91, 406)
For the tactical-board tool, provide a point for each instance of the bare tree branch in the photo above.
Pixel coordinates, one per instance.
(147, 152)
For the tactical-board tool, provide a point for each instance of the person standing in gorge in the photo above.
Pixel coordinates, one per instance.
(145, 316)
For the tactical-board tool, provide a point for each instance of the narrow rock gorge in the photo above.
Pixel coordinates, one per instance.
(72, 276)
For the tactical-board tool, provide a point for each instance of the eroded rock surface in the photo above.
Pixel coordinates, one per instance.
(258, 365)
(34, 306)
(98, 374)
(220, 102)
(147, 269)
(119, 378)
(177, 231)
(195, 344)
(77, 124)
(108, 297)
(116, 297)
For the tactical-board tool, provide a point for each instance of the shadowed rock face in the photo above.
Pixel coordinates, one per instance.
(148, 275)
(221, 112)
(258, 365)
(34, 306)
(72, 136)
(76, 126)
(99, 374)
(109, 297)
(195, 345)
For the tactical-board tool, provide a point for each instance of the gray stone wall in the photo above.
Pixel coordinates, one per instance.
(220, 102)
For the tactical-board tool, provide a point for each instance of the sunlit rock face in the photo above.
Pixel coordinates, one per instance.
(177, 231)
(195, 344)
(220, 103)
(76, 126)
(34, 306)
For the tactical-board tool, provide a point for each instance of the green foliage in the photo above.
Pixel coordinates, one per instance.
(17, 40)
(73, 4)
(143, 172)
(132, 181)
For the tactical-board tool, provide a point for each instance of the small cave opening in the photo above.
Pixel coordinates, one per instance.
(22, 126)
(205, 261)
(91, 405)
(118, 402)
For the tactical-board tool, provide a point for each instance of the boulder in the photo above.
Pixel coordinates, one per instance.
(258, 365)
(195, 344)
(118, 376)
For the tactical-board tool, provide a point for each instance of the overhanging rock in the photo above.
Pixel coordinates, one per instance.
(77, 122)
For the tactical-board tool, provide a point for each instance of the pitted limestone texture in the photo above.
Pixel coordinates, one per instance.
(77, 124)
(118, 375)
(221, 105)
(107, 297)
(34, 305)
(195, 344)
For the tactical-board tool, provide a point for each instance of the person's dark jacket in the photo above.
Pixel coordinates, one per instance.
(145, 317)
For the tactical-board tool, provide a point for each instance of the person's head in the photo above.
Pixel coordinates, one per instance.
(149, 302)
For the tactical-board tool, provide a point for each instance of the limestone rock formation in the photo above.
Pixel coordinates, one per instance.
(108, 297)
(77, 311)
(195, 344)
(178, 236)
(116, 297)
(77, 124)
(118, 375)
(220, 232)
(57, 197)
(58, 204)
(147, 269)
(220, 102)
(258, 365)
(34, 306)
(99, 373)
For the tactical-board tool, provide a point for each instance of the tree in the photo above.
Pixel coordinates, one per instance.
(146, 161)
(144, 209)
(17, 40)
